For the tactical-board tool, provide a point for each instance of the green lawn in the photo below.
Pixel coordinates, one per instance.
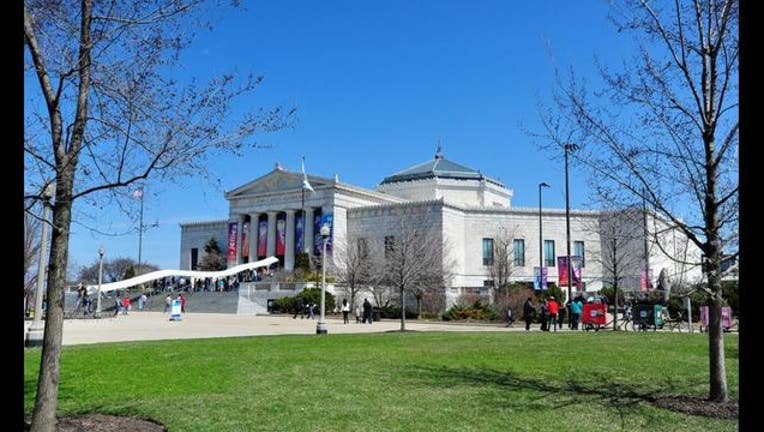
(512, 381)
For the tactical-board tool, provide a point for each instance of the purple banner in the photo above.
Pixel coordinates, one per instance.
(299, 242)
(540, 281)
(317, 234)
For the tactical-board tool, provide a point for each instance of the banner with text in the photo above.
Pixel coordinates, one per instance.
(232, 234)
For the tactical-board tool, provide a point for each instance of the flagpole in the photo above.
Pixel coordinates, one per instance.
(140, 230)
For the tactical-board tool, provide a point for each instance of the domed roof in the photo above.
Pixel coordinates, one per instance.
(439, 167)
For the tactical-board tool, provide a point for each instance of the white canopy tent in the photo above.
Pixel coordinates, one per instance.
(159, 274)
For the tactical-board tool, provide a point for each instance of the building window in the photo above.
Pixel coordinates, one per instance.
(389, 245)
(194, 258)
(549, 253)
(519, 252)
(487, 251)
(578, 251)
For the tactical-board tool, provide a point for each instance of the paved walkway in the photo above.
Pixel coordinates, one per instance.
(140, 326)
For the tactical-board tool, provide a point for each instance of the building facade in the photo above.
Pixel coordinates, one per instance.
(274, 215)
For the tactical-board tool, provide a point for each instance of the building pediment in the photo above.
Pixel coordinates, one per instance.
(278, 180)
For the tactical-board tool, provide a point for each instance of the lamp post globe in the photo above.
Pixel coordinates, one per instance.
(321, 326)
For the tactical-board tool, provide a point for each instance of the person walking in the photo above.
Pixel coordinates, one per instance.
(299, 308)
(528, 311)
(167, 303)
(117, 304)
(554, 310)
(345, 311)
(142, 302)
(575, 312)
(510, 317)
(366, 310)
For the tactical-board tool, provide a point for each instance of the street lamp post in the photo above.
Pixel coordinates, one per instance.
(100, 279)
(321, 326)
(568, 148)
(541, 240)
(36, 331)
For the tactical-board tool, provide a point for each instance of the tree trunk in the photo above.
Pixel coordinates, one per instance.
(718, 377)
(44, 414)
(403, 311)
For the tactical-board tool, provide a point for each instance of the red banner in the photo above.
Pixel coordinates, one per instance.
(562, 271)
(232, 234)
(280, 236)
(244, 242)
(262, 238)
(645, 280)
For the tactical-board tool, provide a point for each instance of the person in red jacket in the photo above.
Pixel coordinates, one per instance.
(554, 310)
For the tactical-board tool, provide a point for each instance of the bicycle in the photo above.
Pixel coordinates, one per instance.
(626, 322)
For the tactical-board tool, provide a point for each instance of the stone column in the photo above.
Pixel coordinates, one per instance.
(254, 220)
(308, 243)
(289, 244)
(271, 233)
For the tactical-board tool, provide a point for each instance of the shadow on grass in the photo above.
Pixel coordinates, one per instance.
(546, 393)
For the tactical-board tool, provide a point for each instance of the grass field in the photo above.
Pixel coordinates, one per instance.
(512, 381)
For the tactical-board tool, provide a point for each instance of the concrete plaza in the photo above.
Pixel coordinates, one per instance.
(142, 326)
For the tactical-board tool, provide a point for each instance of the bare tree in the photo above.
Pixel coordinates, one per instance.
(412, 256)
(502, 267)
(113, 114)
(353, 266)
(665, 130)
(113, 270)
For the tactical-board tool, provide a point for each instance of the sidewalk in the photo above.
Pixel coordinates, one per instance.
(141, 326)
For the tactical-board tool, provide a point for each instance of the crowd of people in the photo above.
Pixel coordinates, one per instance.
(551, 314)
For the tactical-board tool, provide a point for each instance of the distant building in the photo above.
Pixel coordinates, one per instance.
(470, 210)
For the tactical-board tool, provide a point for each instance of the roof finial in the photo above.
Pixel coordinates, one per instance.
(439, 151)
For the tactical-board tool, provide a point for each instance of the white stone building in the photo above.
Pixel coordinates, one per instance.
(469, 209)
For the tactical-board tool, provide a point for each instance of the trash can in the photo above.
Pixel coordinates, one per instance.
(376, 314)
(658, 315)
(644, 316)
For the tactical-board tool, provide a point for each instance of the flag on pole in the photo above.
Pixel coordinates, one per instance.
(138, 193)
(305, 182)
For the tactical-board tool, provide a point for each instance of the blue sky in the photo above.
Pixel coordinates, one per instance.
(375, 85)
